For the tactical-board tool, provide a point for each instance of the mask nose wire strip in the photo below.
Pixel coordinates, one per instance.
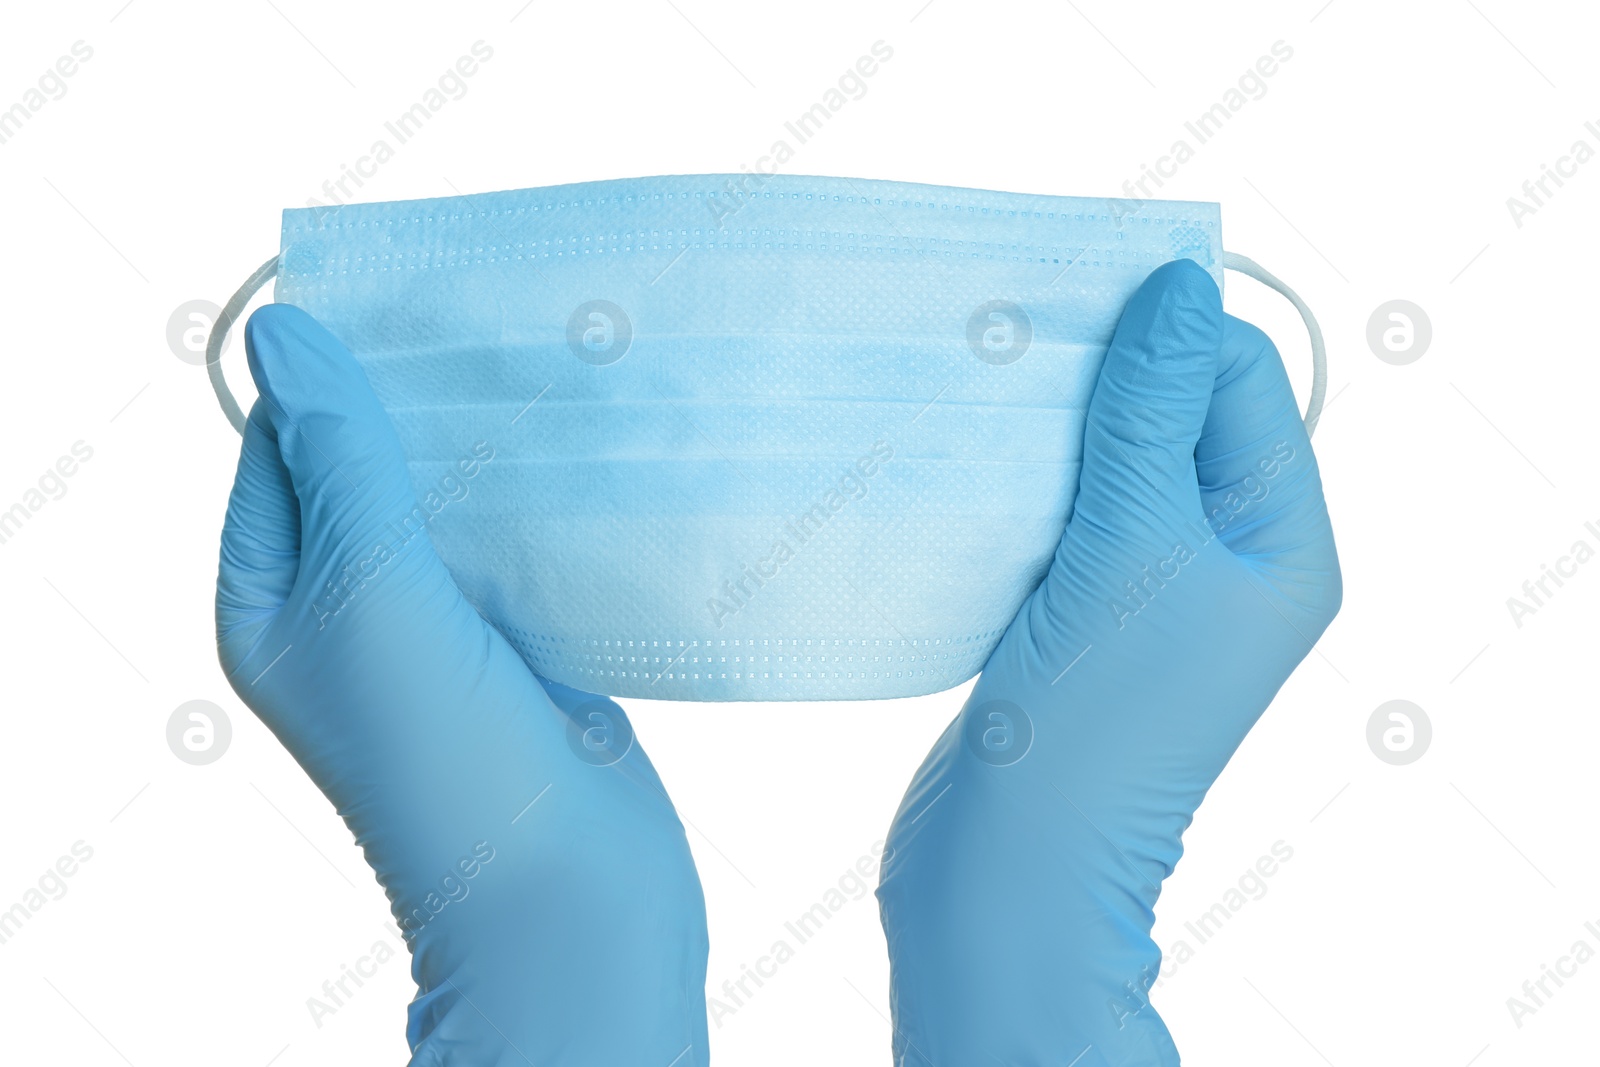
(1319, 353)
(1230, 260)
(219, 333)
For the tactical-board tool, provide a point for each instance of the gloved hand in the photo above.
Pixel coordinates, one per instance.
(528, 849)
(1196, 571)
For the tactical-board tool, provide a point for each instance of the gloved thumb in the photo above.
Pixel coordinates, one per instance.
(341, 453)
(1148, 409)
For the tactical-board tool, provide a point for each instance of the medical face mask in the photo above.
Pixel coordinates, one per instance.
(713, 438)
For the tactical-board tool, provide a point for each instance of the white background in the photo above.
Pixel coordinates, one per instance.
(1376, 166)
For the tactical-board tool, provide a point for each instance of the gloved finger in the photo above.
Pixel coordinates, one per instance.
(260, 536)
(1137, 481)
(570, 700)
(336, 441)
(598, 727)
(1259, 483)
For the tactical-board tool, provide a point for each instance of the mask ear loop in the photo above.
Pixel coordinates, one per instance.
(1319, 354)
(219, 333)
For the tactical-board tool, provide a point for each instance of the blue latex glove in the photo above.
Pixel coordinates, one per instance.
(544, 884)
(1027, 856)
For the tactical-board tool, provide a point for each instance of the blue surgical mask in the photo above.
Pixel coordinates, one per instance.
(683, 438)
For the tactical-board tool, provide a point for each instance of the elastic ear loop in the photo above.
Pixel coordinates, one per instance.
(1319, 354)
(1230, 261)
(219, 333)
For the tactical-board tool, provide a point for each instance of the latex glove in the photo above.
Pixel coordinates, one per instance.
(548, 893)
(1028, 854)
